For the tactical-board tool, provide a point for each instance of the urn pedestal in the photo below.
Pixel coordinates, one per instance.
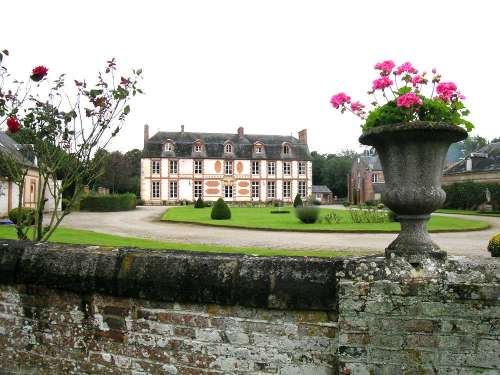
(413, 157)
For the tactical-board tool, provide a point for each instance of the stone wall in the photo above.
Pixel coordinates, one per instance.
(87, 310)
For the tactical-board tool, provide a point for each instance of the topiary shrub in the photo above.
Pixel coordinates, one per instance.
(220, 210)
(380, 206)
(199, 203)
(297, 201)
(307, 214)
(108, 203)
(494, 246)
(23, 215)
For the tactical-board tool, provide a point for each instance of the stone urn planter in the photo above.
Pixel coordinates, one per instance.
(413, 157)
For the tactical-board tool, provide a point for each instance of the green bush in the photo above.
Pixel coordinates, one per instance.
(494, 246)
(346, 204)
(140, 202)
(108, 203)
(469, 195)
(220, 210)
(307, 214)
(199, 203)
(24, 214)
(380, 206)
(391, 216)
(297, 201)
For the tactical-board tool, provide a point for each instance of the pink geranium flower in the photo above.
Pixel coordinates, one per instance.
(416, 80)
(406, 67)
(409, 100)
(339, 100)
(446, 90)
(357, 106)
(385, 66)
(381, 83)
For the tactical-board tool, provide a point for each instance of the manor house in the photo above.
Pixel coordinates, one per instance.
(182, 166)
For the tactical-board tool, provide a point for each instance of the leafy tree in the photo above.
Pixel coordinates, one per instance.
(65, 127)
(332, 170)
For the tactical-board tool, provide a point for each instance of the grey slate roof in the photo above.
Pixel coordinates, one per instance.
(371, 162)
(8, 145)
(321, 189)
(479, 164)
(213, 146)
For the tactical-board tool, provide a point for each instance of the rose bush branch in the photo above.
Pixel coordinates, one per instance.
(66, 125)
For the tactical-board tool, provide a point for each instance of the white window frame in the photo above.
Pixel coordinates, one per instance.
(198, 189)
(287, 189)
(228, 190)
(198, 167)
(259, 148)
(255, 167)
(228, 148)
(375, 178)
(173, 166)
(228, 167)
(255, 189)
(173, 187)
(155, 189)
(198, 147)
(286, 149)
(169, 147)
(271, 190)
(302, 189)
(302, 168)
(155, 166)
(271, 168)
(287, 168)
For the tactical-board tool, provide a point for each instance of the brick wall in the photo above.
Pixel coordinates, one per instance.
(85, 310)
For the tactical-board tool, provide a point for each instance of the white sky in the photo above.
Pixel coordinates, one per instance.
(268, 65)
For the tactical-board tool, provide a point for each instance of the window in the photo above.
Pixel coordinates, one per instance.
(155, 167)
(169, 147)
(228, 191)
(155, 189)
(375, 177)
(271, 168)
(172, 189)
(287, 189)
(228, 148)
(302, 168)
(197, 147)
(172, 166)
(198, 167)
(287, 168)
(258, 149)
(255, 189)
(255, 167)
(228, 167)
(302, 189)
(286, 149)
(271, 189)
(198, 189)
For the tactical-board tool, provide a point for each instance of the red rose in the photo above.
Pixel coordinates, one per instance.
(13, 125)
(38, 73)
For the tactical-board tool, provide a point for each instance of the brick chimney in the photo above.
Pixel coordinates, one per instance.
(303, 136)
(241, 131)
(146, 134)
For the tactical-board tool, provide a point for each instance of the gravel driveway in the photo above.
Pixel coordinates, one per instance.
(144, 222)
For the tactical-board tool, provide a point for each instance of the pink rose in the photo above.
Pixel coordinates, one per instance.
(385, 66)
(409, 100)
(381, 83)
(339, 100)
(406, 67)
(446, 90)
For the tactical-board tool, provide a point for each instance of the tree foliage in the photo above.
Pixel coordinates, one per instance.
(332, 170)
(120, 173)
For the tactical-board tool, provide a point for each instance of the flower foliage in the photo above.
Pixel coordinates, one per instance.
(401, 89)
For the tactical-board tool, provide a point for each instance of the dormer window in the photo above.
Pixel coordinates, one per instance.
(169, 147)
(259, 148)
(286, 149)
(228, 148)
(198, 147)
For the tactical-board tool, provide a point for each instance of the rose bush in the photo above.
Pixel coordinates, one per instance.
(403, 98)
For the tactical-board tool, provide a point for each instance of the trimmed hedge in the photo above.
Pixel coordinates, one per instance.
(307, 214)
(25, 214)
(494, 246)
(469, 195)
(220, 210)
(108, 203)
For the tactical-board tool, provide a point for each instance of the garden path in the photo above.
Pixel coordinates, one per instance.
(144, 222)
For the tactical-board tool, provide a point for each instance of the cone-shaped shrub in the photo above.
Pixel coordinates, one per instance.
(220, 210)
(199, 203)
(297, 202)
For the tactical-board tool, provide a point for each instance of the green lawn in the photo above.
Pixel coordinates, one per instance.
(84, 237)
(468, 212)
(261, 218)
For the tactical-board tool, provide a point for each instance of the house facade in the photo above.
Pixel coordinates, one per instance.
(322, 194)
(182, 166)
(482, 166)
(366, 180)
